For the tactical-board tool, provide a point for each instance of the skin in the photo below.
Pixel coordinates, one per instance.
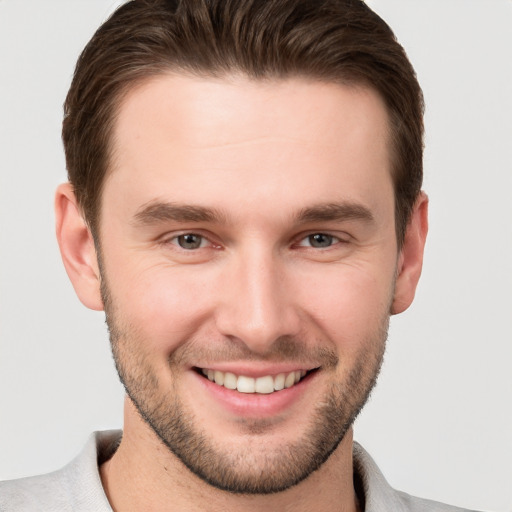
(256, 296)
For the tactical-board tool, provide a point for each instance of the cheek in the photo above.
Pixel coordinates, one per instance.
(163, 304)
(350, 303)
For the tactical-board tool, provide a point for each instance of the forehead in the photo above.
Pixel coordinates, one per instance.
(289, 106)
(175, 133)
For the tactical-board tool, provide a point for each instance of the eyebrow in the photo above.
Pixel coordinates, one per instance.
(335, 212)
(156, 212)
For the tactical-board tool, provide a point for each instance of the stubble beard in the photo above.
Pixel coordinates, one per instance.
(251, 469)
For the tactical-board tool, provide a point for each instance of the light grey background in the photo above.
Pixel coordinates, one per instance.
(440, 421)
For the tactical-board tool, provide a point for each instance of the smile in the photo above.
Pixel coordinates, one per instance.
(265, 385)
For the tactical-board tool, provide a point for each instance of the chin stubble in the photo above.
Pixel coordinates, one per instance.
(249, 468)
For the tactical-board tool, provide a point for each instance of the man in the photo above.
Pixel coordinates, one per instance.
(245, 205)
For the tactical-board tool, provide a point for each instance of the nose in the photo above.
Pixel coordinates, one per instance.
(256, 301)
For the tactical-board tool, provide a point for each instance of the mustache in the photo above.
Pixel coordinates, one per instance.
(282, 350)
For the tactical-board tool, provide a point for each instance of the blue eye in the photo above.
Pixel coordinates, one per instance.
(190, 241)
(320, 240)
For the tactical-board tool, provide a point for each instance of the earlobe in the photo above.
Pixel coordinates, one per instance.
(77, 248)
(410, 260)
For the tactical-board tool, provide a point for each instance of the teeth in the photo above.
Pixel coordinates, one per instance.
(279, 382)
(290, 380)
(264, 385)
(245, 384)
(230, 380)
(219, 378)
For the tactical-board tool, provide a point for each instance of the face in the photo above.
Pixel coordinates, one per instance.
(248, 258)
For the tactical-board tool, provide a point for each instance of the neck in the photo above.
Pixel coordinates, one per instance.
(144, 475)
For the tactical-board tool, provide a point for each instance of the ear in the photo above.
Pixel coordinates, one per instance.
(77, 248)
(410, 260)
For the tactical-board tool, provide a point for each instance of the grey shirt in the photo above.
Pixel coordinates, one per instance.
(77, 486)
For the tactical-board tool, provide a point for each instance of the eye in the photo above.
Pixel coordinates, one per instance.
(319, 241)
(190, 241)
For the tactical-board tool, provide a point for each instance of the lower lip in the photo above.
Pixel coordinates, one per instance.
(257, 405)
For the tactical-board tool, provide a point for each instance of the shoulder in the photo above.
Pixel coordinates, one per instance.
(414, 504)
(76, 487)
(379, 496)
(42, 492)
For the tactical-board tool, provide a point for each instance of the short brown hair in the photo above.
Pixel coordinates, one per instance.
(340, 41)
